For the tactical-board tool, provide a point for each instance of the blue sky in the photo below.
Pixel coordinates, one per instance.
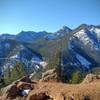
(48, 15)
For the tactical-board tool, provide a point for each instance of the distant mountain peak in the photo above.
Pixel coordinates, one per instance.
(7, 36)
(65, 28)
(85, 27)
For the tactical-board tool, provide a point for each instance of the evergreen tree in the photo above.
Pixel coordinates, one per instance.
(18, 71)
(15, 73)
(76, 77)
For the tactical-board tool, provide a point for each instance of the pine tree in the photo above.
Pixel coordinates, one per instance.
(18, 71)
(15, 73)
(76, 77)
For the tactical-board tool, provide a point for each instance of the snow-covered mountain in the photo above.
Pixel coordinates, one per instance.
(64, 30)
(84, 47)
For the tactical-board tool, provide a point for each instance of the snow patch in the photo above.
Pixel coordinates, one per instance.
(96, 30)
(82, 60)
(82, 35)
(14, 57)
(43, 63)
(25, 92)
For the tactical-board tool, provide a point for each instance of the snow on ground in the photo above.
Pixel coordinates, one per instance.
(43, 63)
(84, 38)
(96, 30)
(14, 56)
(82, 35)
(82, 60)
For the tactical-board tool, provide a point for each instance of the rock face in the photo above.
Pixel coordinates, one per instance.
(50, 76)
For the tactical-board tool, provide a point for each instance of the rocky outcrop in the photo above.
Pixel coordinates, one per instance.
(17, 89)
(50, 76)
(90, 78)
(10, 92)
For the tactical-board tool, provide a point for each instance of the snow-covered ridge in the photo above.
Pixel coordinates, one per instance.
(82, 35)
(89, 37)
(84, 47)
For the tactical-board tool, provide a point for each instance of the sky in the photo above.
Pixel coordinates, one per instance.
(48, 15)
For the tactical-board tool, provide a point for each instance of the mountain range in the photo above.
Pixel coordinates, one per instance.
(79, 49)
